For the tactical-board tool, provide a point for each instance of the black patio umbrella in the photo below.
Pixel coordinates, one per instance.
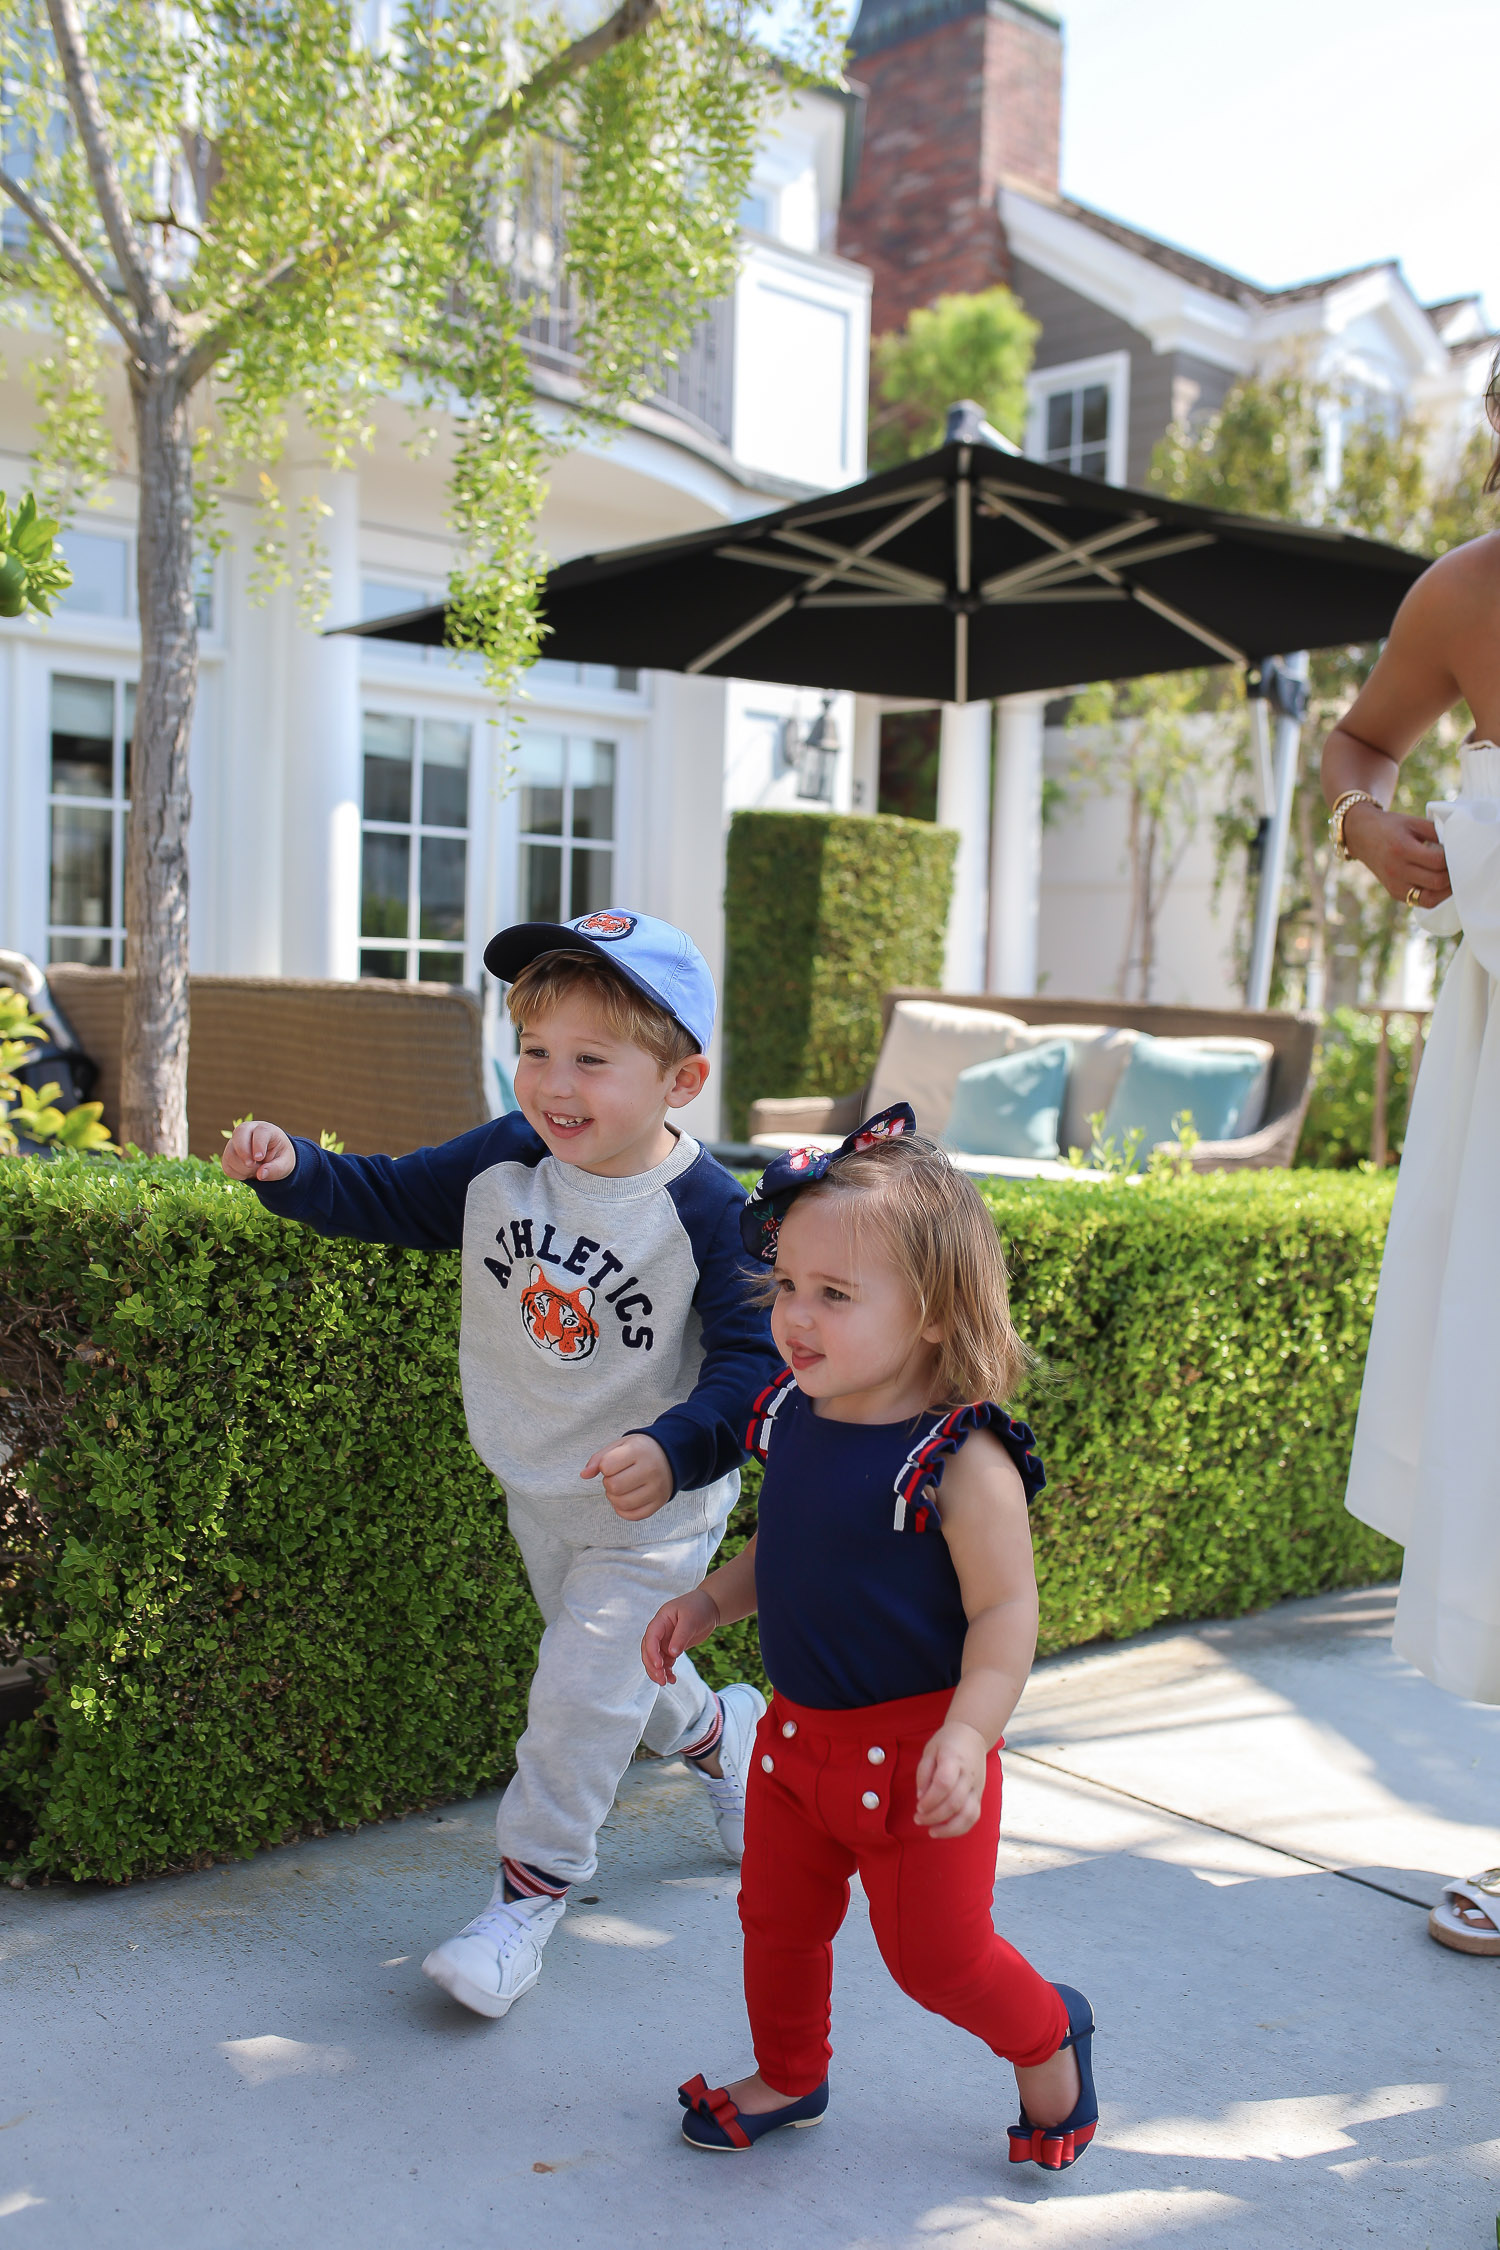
(966, 574)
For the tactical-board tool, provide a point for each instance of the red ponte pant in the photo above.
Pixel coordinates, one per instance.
(832, 1792)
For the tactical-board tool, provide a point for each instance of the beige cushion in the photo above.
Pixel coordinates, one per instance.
(927, 1044)
(1095, 1068)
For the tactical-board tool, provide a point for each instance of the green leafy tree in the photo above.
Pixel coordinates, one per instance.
(257, 214)
(1265, 452)
(975, 347)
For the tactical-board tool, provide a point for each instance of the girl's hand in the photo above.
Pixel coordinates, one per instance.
(1400, 851)
(950, 1779)
(677, 1625)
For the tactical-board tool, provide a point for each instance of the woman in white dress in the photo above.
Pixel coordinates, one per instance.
(1426, 1463)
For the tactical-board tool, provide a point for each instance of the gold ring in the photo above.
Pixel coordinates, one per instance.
(1414, 895)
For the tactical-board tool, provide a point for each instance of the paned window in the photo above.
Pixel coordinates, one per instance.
(1076, 432)
(1080, 416)
(414, 875)
(91, 722)
(567, 804)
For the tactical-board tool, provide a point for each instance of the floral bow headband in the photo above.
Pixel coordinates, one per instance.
(783, 1180)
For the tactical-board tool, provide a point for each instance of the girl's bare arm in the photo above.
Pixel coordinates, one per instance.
(726, 1595)
(989, 1537)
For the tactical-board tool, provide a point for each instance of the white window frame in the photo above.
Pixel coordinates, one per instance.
(374, 697)
(1112, 369)
(116, 804)
(571, 730)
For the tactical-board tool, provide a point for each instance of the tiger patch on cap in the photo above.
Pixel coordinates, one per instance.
(604, 925)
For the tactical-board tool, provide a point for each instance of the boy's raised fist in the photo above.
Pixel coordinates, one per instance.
(258, 1151)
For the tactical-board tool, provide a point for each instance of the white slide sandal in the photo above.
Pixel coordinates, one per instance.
(1451, 1926)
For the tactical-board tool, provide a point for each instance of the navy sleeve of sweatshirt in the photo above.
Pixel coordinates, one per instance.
(415, 1202)
(704, 1438)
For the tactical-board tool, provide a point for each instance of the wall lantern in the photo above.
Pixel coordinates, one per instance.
(816, 757)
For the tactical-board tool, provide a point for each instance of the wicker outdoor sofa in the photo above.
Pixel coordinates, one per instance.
(1272, 1142)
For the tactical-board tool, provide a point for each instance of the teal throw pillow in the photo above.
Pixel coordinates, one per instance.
(1010, 1107)
(1167, 1076)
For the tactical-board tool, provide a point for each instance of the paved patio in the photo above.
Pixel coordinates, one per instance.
(1226, 1834)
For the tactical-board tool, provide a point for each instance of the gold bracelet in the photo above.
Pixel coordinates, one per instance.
(1342, 807)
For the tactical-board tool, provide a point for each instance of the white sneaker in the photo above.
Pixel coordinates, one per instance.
(744, 1708)
(498, 1956)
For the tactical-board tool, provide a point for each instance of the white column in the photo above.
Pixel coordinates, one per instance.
(1016, 846)
(963, 802)
(324, 790)
(864, 773)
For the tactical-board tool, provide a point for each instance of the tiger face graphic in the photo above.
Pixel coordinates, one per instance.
(559, 1320)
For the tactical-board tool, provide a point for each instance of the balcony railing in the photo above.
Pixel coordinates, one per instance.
(697, 388)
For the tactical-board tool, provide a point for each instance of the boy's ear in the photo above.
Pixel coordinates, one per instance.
(688, 1081)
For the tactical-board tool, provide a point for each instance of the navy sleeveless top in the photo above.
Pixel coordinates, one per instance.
(858, 1597)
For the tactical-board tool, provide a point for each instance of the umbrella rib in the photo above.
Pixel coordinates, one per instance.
(1055, 570)
(1068, 556)
(1029, 599)
(873, 601)
(1186, 624)
(795, 563)
(876, 500)
(1153, 602)
(876, 566)
(779, 609)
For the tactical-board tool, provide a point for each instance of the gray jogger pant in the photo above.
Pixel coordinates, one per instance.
(591, 1701)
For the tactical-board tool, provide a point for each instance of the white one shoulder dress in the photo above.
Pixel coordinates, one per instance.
(1426, 1463)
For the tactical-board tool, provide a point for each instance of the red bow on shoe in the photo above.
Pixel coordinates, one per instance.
(1054, 2151)
(714, 2102)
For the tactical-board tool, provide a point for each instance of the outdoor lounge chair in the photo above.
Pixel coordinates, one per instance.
(927, 1044)
(388, 1067)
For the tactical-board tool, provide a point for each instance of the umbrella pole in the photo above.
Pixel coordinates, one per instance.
(1283, 682)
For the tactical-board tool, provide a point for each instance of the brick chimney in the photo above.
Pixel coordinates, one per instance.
(962, 94)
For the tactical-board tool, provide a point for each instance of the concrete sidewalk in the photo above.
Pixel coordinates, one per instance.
(1227, 1835)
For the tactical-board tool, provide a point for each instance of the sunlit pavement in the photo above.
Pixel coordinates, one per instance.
(1226, 1835)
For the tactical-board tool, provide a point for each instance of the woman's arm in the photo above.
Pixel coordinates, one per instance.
(1412, 685)
(726, 1595)
(989, 1537)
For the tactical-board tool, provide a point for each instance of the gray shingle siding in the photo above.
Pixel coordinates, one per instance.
(1074, 327)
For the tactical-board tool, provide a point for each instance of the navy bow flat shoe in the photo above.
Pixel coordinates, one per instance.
(1055, 2147)
(715, 2123)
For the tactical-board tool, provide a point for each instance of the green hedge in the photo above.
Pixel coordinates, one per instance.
(823, 914)
(1340, 1121)
(278, 1585)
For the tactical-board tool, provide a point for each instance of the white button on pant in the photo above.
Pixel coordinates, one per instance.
(789, 1728)
(768, 1765)
(876, 1756)
(869, 1800)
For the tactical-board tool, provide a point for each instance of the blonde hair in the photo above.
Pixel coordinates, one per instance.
(929, 1219)
(554, 977)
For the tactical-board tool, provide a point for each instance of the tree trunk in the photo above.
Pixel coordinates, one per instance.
(153, 1075)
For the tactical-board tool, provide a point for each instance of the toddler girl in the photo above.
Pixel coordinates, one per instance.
(893, 1575)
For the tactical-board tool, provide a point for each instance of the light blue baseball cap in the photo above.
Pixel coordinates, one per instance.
(658, 959)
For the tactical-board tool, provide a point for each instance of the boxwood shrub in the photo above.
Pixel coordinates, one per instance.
(823, 914)
(276, 1587)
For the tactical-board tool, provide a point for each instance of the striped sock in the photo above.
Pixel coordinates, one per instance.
(708, 1742)
(522, 1881)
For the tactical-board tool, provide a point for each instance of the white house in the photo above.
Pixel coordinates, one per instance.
(356, 810)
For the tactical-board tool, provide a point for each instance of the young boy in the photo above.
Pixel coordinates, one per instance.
(608, 1337)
